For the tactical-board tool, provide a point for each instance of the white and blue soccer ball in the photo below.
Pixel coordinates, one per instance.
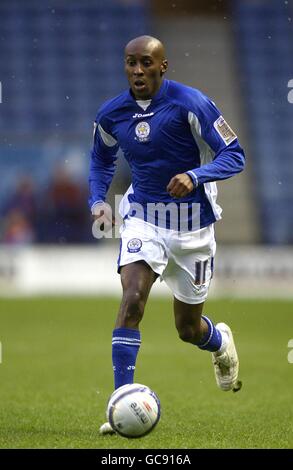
(133, 410)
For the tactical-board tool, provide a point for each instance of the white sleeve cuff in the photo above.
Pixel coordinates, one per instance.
(193, 177)
(96, 203)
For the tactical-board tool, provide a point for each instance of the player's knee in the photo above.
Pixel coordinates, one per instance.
(133, 306)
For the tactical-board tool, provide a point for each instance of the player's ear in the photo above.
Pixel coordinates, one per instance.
(164, 66)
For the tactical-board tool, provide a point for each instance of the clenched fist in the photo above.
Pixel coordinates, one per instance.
(180, 185)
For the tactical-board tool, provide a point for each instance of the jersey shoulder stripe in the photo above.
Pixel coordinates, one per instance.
(111, 105)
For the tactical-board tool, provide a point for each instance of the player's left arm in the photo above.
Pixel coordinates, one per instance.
(221, 154)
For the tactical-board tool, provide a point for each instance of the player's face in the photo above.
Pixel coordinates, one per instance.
(144, 68)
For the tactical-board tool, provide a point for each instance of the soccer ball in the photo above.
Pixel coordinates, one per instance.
(133, 410)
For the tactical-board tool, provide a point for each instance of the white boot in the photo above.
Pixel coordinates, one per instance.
(106, 428)
(226, 364)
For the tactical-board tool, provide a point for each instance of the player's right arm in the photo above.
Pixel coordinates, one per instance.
(102, 165)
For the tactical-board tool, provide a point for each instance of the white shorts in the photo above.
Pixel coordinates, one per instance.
(184, 260)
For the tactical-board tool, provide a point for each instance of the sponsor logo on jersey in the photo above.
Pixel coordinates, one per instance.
(139, 115)
(134, 245)
(224, 130)
(142, 131)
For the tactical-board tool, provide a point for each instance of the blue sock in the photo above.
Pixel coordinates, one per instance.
(125, 346)
(212, 341)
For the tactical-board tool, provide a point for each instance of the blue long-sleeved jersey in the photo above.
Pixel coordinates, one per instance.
(180, 131)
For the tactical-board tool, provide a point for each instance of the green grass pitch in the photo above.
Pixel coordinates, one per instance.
(56, 376)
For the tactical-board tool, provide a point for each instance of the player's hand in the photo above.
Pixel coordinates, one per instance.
(102, 212)
(180, 185)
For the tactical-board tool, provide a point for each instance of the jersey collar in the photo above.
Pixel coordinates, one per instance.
(157, 97)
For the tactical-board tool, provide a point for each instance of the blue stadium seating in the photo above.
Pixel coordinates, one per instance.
(59, 60)
(264, 31)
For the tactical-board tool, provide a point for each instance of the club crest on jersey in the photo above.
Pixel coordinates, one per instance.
(134, 245)
(142, 131)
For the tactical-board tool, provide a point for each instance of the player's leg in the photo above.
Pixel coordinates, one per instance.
(218, 339)
(188, 321)
(188, 274)
(196, 329)
(137, 279)
(142, 258)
